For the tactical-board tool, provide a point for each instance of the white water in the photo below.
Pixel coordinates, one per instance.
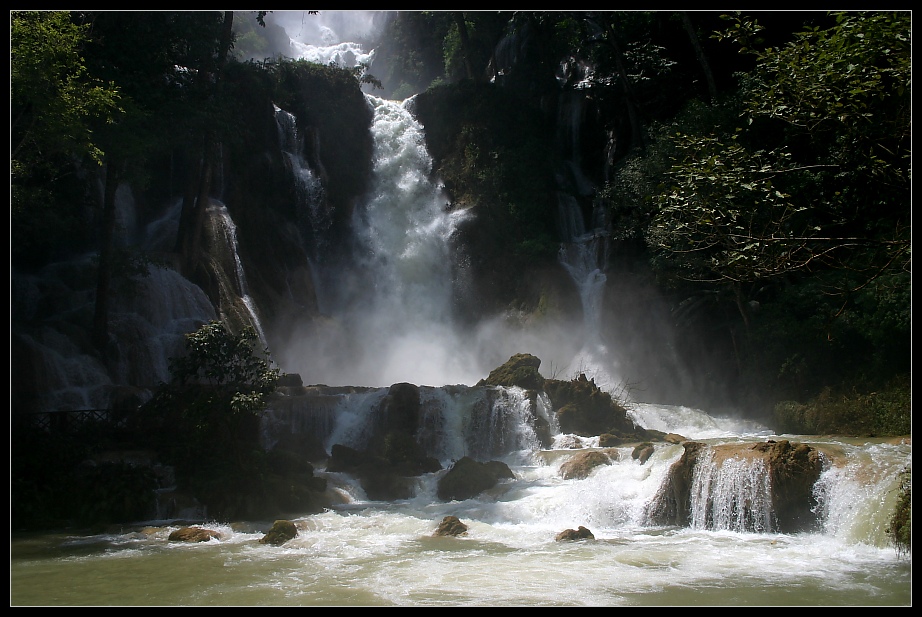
(368, 553)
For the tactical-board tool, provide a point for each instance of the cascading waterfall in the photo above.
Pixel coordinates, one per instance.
(394, 307)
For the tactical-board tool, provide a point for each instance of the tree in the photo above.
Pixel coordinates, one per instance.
(817, 179)
(55, 104)
(52, 96)
(205, 422)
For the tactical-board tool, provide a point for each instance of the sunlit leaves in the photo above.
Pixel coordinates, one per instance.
(53, 99)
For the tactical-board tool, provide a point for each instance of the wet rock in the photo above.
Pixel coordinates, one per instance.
(574, 534)
(194, 534)
(451, 526)
(642, 452)
(581, 465)
(281, 532)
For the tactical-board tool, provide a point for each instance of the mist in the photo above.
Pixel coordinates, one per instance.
(388, 316)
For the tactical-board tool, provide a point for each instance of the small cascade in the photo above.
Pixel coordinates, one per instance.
(504, 426)
(856, 499)
(150, 325)
(314, 219)
(734, 495)
(483, 422)
(224, 235)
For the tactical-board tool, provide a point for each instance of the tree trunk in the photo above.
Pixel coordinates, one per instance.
(106, 250)
(702, 59)
(465, 44)
(198, 190)
(637, 134)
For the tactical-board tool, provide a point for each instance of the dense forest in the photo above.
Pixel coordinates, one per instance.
(755, 168)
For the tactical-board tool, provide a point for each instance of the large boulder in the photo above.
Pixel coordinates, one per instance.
(468, 478)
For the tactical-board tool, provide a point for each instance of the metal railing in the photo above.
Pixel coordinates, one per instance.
(72, 419)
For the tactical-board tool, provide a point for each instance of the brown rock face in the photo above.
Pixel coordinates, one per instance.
(584, 409)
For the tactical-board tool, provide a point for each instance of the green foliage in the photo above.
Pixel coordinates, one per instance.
(491, 151)
(883, 413)
(900, 529)
(735, 211)
(55, 102)
(52, 96)
(216, 356)
(205, 422)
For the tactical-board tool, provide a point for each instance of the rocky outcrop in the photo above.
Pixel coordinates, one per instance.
(795, 468)
(380, 480)
(281, 532)
(468, 478)
(574, 534)
(584, 409)
(519, 370)
(451, 526)
(393, 454)
(792, 470)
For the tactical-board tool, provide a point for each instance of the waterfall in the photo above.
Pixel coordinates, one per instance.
(483, 422)
(585, 245)
(392, 309)
(734, 495)
(225, 239)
